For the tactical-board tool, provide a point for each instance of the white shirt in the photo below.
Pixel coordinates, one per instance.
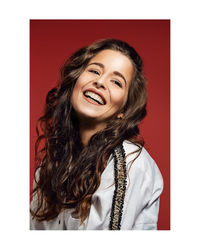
(141, 203)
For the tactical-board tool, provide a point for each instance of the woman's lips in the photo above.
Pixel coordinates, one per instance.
(95, 96)
(91, 101)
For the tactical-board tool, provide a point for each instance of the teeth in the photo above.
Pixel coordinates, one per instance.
(94, 97)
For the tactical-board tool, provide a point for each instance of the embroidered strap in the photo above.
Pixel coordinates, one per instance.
(120, 188)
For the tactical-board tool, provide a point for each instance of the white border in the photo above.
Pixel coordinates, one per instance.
(185, 124)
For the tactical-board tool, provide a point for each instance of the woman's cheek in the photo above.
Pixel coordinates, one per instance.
(118, 100)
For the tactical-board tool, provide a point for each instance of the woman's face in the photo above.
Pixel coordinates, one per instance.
(101, 90)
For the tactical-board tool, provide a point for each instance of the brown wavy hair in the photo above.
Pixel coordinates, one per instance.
(69, 173)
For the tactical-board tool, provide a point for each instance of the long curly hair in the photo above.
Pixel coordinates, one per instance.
(69, 173)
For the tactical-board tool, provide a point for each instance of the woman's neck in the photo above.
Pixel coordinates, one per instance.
(87, 129)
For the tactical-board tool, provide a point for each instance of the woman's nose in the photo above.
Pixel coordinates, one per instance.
(99, 84)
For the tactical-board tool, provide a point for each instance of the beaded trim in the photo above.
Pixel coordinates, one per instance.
(120, 188)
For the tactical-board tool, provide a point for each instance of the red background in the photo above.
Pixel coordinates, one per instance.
(52, 41)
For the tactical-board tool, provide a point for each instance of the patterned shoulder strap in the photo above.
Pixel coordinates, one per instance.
(120, 188)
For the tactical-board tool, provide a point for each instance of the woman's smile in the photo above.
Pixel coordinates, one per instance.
(94, 97)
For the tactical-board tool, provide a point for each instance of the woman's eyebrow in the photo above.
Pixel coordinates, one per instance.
(98, 64)
(115, 72)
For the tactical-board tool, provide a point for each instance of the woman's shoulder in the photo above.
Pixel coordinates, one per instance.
(139, 158)
(134, 151)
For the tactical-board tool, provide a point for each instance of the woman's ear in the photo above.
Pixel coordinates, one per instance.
(120, 115)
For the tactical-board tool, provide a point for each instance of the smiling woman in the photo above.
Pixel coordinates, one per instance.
(93, 171)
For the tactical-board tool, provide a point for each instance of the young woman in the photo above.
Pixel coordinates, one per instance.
(93, 171)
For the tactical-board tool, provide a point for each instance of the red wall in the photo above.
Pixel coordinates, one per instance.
(51, 41)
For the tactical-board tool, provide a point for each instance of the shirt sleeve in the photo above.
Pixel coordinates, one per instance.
(145, 185)
(148, 217)
(55, 224)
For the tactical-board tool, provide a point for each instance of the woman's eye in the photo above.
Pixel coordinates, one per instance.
(117, 83)
(94, 71)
